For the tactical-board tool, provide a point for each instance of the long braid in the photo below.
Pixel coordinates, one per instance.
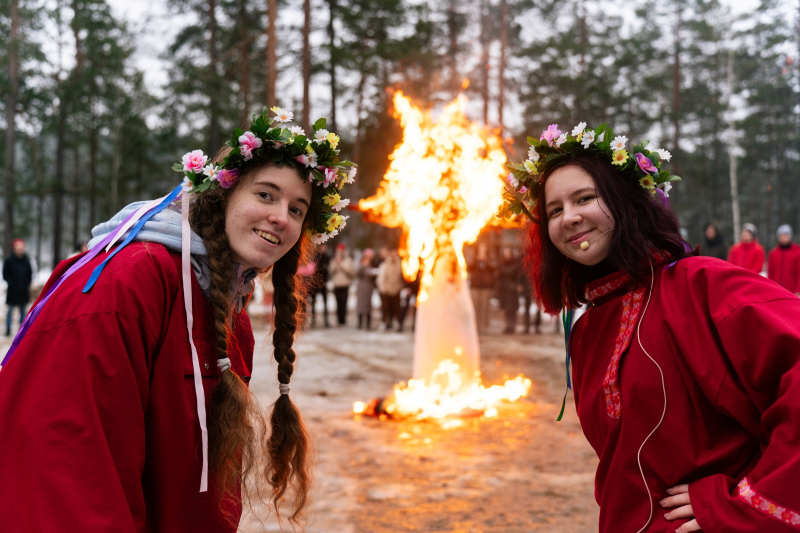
(238, 440)
(233, 420)
(289, 445)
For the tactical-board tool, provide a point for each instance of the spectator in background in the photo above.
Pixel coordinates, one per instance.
(365, 274)
(319, 284)
(527, 294)
(409, 293)
(17, 272)
(508, 287)
(482, 279)
(390, 283)
(783, 266)
(383, 251)
(713, 244)
(341, 275)
(747, 253)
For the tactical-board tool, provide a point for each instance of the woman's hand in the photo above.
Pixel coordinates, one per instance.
(680, 498)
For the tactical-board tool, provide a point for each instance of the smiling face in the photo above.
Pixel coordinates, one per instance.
(575, 214)
(264, 216)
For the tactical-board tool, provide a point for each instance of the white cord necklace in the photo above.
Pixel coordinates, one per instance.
(664, 412)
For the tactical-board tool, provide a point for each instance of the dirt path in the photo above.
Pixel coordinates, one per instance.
(520, 472)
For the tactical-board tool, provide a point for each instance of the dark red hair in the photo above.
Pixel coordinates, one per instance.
(642, 225)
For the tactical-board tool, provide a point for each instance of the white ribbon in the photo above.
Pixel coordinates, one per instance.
(284, 388)
(186, 271)
(223, 364)
(133, 220)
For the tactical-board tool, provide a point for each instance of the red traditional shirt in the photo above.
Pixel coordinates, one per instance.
(749, 255)
(728, 344)
(98, 417)
(783, 267)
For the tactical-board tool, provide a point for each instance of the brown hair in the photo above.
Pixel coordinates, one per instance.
(241, 450)
(643, 224)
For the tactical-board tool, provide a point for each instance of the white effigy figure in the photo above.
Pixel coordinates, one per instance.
(445, 327)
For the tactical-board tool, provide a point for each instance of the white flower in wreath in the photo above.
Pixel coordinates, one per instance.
(577, 130)
(210, 170)
(665, 155)
(619, 142)
(588, 138)
(342, 204)
(530, 166)
(351, 175)
(666, 187)
(561, 140)
(297, 130)
(513, 181)
(320, 136)
(281, 115)
(533, 155)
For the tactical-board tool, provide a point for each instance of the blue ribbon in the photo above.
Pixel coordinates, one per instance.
(147, 216)
(566, 320)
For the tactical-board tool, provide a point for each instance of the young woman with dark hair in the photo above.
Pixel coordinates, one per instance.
(686, 369)
(126, 408)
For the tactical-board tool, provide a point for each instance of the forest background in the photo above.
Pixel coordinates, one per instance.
(86, 130)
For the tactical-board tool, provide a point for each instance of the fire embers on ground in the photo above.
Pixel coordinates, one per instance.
(445, 397)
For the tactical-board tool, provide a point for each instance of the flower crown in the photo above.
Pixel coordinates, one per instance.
(288, 145)
(555, 148)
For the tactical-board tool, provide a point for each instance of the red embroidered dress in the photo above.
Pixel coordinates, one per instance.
(728, 342)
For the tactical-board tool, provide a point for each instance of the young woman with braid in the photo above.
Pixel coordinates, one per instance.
(124, 403)
(686, 369)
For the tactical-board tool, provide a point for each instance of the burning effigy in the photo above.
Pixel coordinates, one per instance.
(439, 190)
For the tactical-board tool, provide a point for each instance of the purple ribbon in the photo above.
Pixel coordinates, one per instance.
(28, 322)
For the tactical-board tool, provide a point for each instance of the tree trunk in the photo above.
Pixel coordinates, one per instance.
(501, 74)
(676, 91)
(732, 154)
(58, 185)
(244, 62)
(76, 199)
(271, 52)
(452, 53)
(40, 194)
(214, 96)
(359, 110)
(92, 174)
(306, 124)
(485, 41)
(332, 62)
(11, 118)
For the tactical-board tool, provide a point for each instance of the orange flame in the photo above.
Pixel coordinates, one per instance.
(444, 395)
(444, 184)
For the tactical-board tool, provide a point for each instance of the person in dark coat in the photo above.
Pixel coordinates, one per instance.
(713, 243)
(319, 285)
(366, 275)
(482, 279)
(18, 273)
(508, 287)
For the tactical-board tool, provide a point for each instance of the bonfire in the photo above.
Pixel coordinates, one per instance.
(443, 186)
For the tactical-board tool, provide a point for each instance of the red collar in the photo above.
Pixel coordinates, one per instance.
(605, 288)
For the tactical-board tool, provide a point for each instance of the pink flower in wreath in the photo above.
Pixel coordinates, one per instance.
(330, 175)
(227, 177)
(194, 161)
(645, 164)
(247, 143)
(550, 134)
